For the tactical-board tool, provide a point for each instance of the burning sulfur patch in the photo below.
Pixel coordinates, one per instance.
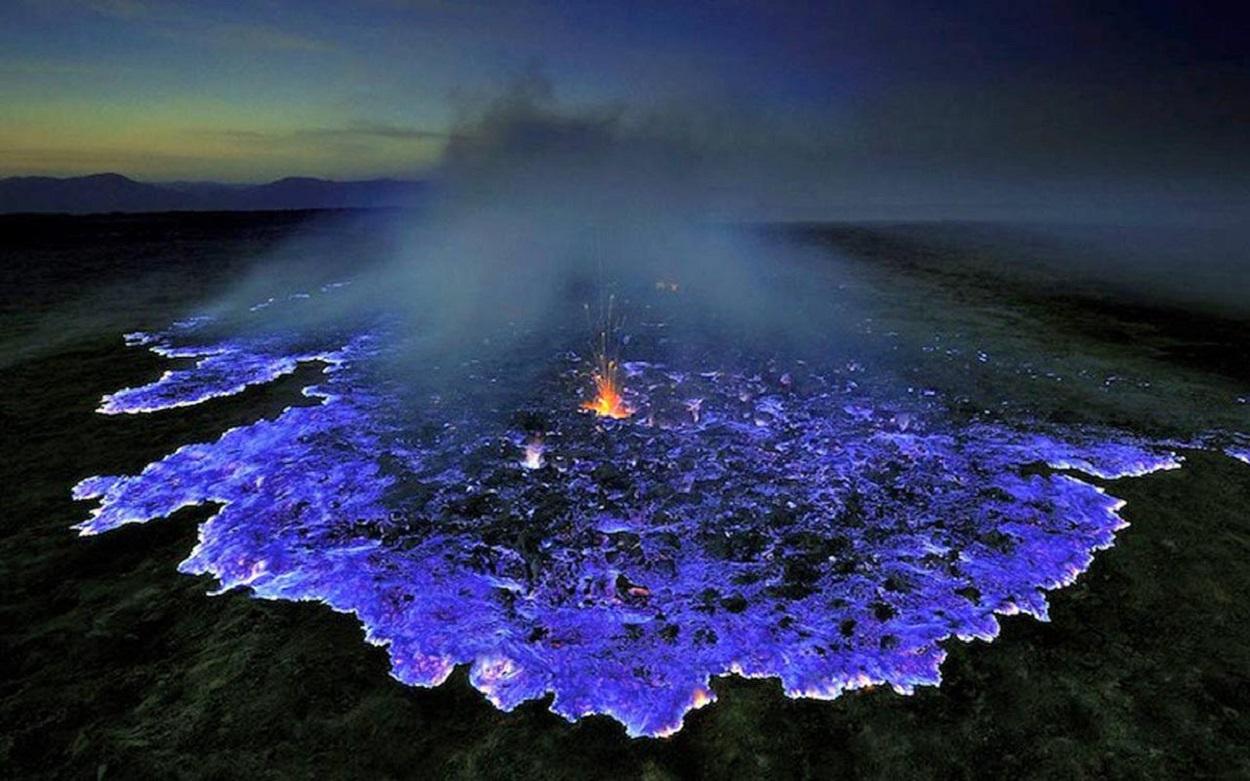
(533, 458)
(765, 529)
(608, 402)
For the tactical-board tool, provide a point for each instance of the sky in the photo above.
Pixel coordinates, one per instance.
(934, 100)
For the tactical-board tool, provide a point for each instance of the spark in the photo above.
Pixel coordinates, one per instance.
(608, 401)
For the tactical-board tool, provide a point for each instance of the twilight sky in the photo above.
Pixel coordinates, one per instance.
(974, 98)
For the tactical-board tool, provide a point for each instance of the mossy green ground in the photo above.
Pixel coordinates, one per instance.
(116, 666)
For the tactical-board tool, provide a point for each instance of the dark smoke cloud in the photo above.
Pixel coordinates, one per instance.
(541, 212)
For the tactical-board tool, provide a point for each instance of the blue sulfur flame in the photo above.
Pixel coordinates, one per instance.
(737, 523)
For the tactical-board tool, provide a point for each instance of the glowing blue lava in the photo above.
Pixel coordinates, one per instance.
(735, 524)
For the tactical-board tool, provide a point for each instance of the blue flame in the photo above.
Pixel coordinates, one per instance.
(749, 527)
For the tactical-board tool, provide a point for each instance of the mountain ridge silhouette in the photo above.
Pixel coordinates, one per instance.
(113, 192)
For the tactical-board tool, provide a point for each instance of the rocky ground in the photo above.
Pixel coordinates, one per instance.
(123, 668)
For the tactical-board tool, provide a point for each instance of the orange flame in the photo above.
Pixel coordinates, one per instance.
(608, 402)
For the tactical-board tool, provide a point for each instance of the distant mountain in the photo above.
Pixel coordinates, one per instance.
(117, 193)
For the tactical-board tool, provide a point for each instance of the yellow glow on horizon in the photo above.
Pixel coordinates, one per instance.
(187, 139)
